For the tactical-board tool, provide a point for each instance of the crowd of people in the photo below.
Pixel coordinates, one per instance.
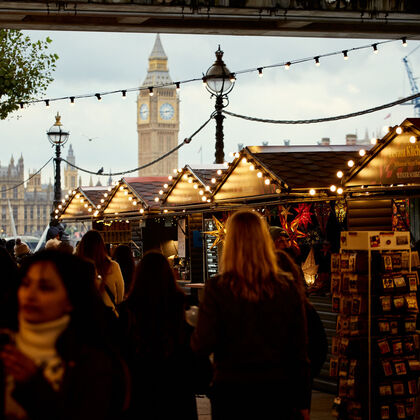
(88, 336)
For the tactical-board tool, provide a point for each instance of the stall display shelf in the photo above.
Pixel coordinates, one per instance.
(375, 351)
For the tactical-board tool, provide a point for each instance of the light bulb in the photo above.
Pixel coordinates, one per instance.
(201, 192)
(362, 152)
(287, 65)
(259, 174)
(252, 167)
(195, 186)
(213, 180)
(260, 72)
(141, 211)
(203, 198)
(399, 130)
(339, 190)
(333, 188)
(404, 42)
(317, 63)
(346, 57)
(413, 139)
(165, 186)
(150, 91)
(161, 192)
(350, 163)
(340, 174)
(156, 199)
(267, 181)
(312, 191)
(130, 198)
(170, 177)
(373, 140)
(219, 172)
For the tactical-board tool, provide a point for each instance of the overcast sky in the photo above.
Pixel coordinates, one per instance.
(95, 62)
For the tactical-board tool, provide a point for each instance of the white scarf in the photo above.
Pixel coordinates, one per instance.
(37, 341)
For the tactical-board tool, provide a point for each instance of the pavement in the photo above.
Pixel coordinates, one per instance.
(321, 407)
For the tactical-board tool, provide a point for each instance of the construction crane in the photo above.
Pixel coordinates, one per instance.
(413, 83)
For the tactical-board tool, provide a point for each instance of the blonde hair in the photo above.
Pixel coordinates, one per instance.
(249, 264)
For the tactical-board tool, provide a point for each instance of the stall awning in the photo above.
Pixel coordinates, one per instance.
(193, 185)
(267, 171)
(80, 204)
(133, 196)
(393, 162)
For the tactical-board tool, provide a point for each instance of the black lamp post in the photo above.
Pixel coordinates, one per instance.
(57, 137)
(219, 82)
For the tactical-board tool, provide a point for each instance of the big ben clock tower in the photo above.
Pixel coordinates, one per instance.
(158, 116)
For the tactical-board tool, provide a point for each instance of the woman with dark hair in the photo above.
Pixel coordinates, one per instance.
(8, 288)
(124, 257)
(158, 350)
(252, 318)
(111, 283)
(57, 366)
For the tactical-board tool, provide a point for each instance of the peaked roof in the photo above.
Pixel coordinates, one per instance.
(158, 51)
(157, 73)
(146, 188)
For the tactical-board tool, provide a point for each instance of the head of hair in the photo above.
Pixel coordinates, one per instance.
(8, 290)
(249, 261)
(124, 257)
(87, 318)
(92, 247)
(158, 305)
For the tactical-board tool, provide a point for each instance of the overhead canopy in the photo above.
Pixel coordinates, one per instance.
(192, 186)
(394, 161)
(80, 204)
(270, 171)
(133, 195)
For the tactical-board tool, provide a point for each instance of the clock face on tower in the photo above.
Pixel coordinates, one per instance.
(166, 111)
(144, 112)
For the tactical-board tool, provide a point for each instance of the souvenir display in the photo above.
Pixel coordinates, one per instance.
(376, 344)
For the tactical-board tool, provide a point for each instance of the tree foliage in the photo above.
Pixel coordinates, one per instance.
(25, 69)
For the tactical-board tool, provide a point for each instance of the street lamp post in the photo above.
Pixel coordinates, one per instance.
(57, 137)
(219, 82)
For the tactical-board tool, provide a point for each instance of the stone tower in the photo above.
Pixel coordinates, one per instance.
(157, 116)
(70, 173)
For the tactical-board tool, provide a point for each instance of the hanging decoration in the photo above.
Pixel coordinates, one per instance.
(303, 216)
(341, 210)
(322, 212)
(219, 232)
(292, 228)
(400, 215)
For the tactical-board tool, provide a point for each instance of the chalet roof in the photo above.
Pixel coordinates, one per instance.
(147, 188)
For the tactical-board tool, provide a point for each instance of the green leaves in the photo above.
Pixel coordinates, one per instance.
(25, 69)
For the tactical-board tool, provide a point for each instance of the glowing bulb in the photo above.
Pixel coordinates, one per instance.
(259, 174)
(260, 72)
(55, 217)
(244, 160)
(63, 201)
(60, 206)
(109, 188)
(89, 209)
(267, 181)
(252, 167)
(226, 164)
(346, 57)
(333, 188)
(339, 190)
(213, 180)
(161, 192)
(386, 129)
(78, 196)
(175, 171)
(141, 211)
(373, 140)
(165, 186)
(121, 188)
(98, 206)
(105, 195)
(86, 205)
(219, 172)
(185, 176)
(102, 200)
(413, 139)
(125, 192)
(207, 188)
(156, 199)
(190, 180)
(195, 186)
(312, 191)
(201, 192)
(399, 130)
(165, 211)
(134, 203)
(317, 63)
(203, 198)
(350, 163)
(287, 65)
(130, 198)
(340, 174)
(404, 42)
(170, 177)
(96, 213)
(362, 152)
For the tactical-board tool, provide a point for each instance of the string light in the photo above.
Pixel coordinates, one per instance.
(72, 100)
(161, 192)
(259, 174)
(345, 56)
(98, 96)
(47, 102)
(170, 177)
(157, 199)
(232, 77)
(21, 105)
(413, 139)
(312, 191)
(165, 186)
(404, 42)
(213, 180)
(178, 86)
(399, 130)
(267, 181)
(373, 140)
(350, 163)
(340, 174)
(317, 63)
(260, 72)
(386, 129)
(203, 198)
(252, 167)
(204, 79)
(141, 211)
(287, 65)
(219, 172)
(362, 152)
(150, 91)
(244, 160)
(333, 188)
(339, 191)
(124, 94)
(375, 48)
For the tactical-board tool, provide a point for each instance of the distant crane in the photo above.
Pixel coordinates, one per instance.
(413, 83)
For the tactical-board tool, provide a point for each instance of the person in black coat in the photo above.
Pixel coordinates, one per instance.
(157, 338)
(252, 318)
(57, 365)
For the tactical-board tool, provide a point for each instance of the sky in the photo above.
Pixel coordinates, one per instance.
(95, 62)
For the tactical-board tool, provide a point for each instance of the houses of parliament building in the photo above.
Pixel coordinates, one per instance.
(28, 206)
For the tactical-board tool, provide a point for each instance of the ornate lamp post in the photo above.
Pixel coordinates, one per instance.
(219, 82)
(57, 137)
